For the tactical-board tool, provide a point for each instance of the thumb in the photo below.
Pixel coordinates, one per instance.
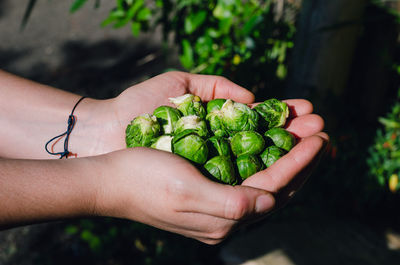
(230, 202)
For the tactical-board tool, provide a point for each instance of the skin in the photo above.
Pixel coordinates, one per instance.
(106, 179)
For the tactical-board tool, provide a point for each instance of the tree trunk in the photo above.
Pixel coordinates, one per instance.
(327, 36)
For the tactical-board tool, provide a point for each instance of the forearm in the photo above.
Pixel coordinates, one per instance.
(32, 113)
(42, 190)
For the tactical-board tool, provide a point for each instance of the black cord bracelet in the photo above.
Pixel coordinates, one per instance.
(71, 124)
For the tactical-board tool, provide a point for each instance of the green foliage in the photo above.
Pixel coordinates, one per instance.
(242, 40)
(384, 155)
(112, 241)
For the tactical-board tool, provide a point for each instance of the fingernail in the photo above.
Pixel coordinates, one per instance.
(264, 203)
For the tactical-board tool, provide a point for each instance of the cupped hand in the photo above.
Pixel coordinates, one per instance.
(166, 191)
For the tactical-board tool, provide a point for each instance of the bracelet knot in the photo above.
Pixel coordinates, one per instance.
(70, 127)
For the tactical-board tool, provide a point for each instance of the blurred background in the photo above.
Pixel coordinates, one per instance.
(342, 55)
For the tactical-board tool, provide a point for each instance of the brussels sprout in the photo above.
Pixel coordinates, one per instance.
(215, 105)
(247, 143)
(238, 117)
(248, 165)
(141, 131)
(163, 142)
(274, 112)
(221, 168)
(216, 125)
(191, 146)
(214, 117)
(281, 138)
(271, 154)
(192, 123)
(189, 104)
(218, 146)
(167, 117)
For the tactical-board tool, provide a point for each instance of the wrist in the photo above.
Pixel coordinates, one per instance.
(107, 195)
(96, 129)
(117, 189)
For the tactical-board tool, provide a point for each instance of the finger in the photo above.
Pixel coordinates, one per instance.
(229, 202)
(195, 225)
(201, 226)
(210, 87)
(305, 125)
(324, 136)
(288, 167)
(297, 107)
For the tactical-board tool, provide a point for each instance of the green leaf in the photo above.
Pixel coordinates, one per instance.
(115, 15)
(144, 14)
(203, 46)
(187, 3)
(225, 25)
(388, 123)
(281, 71)
(107, 21)
(251, 23)
(213, 33)
(159, 3)
(187, 54)
(135, 28)
(71, 230)
(134, 8)
(193, 21)
(76, 5)
(132, 11)
(120, 4)
(93, 240)
(222, 11)
(227, 2)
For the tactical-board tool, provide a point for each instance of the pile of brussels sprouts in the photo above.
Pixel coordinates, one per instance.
(228, 141)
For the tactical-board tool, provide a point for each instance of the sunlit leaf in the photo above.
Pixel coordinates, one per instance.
(222, 11)
(193, 21)
(144, 14)
(135, 28)
(251, 23)
(187, 54)
(76, 5)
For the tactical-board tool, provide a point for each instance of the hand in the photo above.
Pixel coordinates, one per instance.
(166, 191)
